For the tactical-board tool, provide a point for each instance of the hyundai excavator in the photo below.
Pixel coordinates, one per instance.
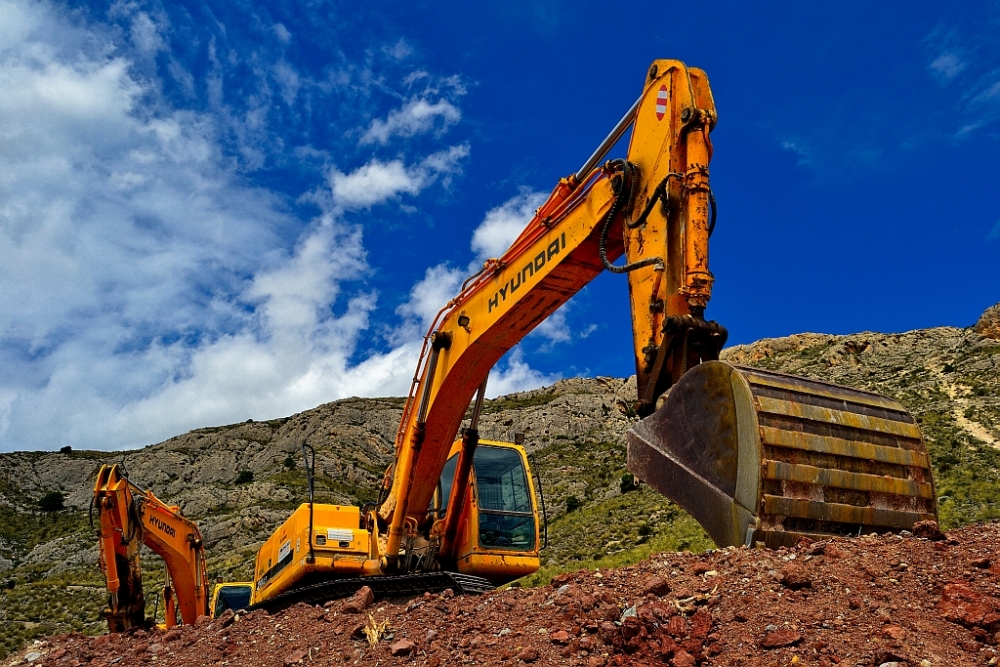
(130, 516)
(756, 457)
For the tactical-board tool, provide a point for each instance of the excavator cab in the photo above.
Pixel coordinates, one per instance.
(230, 595)
(498, 536)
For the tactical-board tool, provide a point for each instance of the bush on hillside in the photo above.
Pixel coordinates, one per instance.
(53, 501)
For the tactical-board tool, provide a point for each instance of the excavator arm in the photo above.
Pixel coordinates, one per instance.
(656, 208)
(652, 207)
(130, 516)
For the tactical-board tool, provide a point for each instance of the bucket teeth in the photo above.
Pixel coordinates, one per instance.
(757, 456)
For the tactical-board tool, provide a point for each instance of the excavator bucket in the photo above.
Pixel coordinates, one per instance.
(757, 456)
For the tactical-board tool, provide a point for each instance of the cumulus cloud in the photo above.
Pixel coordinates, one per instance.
(503, 224)
(517, 375)
(149, 286)
(555, 329)
(415, 117)
(298, 352)
(377, 181)
(500, 226)
(438, 286)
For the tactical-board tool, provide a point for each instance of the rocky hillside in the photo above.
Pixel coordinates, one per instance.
(240, 481)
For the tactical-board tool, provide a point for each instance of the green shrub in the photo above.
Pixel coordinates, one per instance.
(628, 483)
(53, 501)
(573, 503)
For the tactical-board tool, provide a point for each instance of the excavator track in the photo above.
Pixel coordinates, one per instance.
(382, 587)
(757, 456)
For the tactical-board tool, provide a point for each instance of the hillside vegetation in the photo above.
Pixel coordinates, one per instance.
(240, 481)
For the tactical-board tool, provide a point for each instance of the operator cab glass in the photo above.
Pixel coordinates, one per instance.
(231, 597)
(506, 515)
(443, 492)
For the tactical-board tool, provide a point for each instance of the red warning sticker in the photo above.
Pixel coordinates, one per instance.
(661, 103)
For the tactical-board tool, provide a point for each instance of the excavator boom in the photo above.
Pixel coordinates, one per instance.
(807, 461)
(754, 456)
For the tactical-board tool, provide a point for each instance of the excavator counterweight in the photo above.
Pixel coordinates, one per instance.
(757, 456)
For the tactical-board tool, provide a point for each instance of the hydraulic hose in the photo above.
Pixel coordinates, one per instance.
(624, 191)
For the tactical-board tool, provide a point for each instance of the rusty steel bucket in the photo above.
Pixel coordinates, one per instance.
(756, 456)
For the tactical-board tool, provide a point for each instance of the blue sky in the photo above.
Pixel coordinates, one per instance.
(211, 212)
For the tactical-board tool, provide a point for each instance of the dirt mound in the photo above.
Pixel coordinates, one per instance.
(865, 601)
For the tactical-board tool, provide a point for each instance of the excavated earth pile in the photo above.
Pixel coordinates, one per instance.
(873, 600)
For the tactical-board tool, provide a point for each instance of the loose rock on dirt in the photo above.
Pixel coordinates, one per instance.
(867, 601)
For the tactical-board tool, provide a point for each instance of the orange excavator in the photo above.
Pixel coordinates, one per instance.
(754, 456)
(130, 517)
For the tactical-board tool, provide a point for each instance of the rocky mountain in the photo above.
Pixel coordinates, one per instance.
(240, 481)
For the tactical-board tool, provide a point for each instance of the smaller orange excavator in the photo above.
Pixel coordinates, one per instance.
(129, 517)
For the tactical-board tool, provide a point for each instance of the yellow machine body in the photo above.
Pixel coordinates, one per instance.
(498, 530)
(330, 544)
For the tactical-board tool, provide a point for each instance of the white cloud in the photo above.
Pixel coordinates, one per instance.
(282, 33)
(415, 117)
(377, 182)
(503, 224)
(401, 50)
(796, 146)
(146, 35)
(946, 66)
(514, 374)
(555, 328)
(148, 287)
(296, 355)
(500, 226)
(439, 285)
(145, 289)
(288, 80)
(990, 92)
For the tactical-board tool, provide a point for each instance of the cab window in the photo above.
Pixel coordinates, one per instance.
(506, 514)
(443, 493)
(231, 597)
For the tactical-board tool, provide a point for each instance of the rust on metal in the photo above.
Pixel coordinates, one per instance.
(758, 456)
(843, 417)
(846, 480)
(809, 509)
(843, 447)
(824, 389)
